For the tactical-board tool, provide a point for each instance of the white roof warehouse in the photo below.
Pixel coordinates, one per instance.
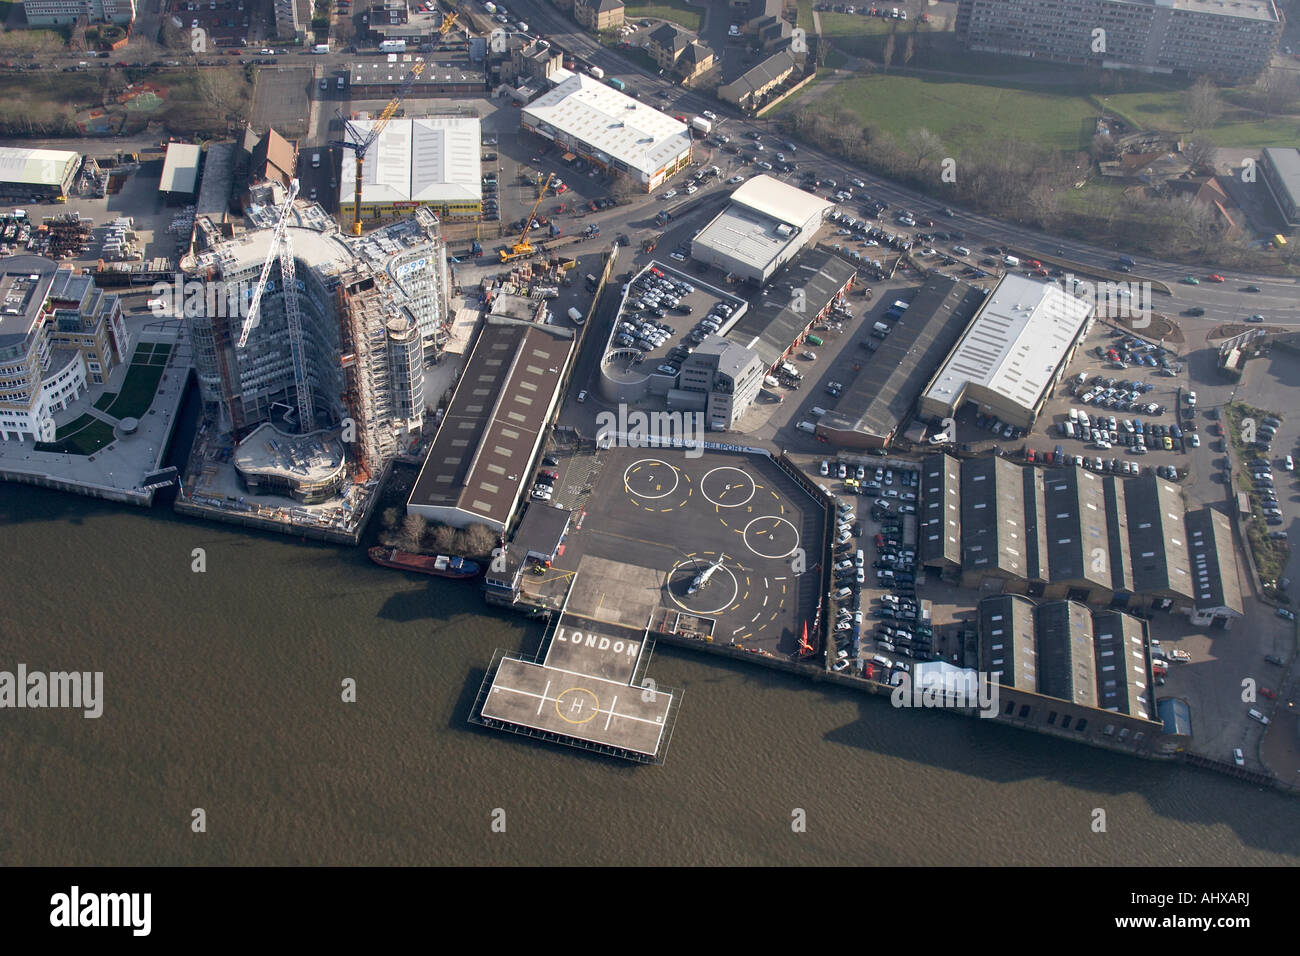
(38, 173)
(1012, 354)
(601, 124)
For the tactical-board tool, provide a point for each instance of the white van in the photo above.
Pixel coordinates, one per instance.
(881, 327)
(808, 427)
(1011, 261)
(770, 381)
(577, 317)
(843, 594)
(818, 411)
(315, 160)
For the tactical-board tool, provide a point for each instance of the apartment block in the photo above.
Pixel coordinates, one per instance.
(1230, 40)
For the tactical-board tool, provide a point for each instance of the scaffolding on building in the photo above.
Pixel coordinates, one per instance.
(368, 387)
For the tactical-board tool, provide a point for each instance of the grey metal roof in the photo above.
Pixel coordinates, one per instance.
(21, 296)
(479, 459)
(1213, 561)
(1121, 564)
(770, 326)
(1123, 679)
(992, 517)
(1286, 162)
(884, 393)
(1157, 538)
(1066, 659)
(940, 517)
(1176, 715)
(1078, 538)
(1007, 645)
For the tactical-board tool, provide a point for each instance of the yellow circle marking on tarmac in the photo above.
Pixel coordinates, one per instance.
(595, 709)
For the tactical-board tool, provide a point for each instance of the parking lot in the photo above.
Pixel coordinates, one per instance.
(1105, 417)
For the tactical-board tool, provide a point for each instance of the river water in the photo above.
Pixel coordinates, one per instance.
(223, 692)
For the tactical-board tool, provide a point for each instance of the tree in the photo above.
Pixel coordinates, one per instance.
(1202, 104)
(1200, 153)
(922, 144)
(390, 518)
(444, 539)
(413, 527)
(909, 48)
(344, 31)
(1103, 148)
(887, 54)
(1276, 90)
(623, 190)
(225, 93)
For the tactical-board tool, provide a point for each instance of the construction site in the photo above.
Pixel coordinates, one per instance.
(341, 355)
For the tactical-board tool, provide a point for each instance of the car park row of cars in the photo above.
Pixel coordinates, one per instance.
(1128, 350)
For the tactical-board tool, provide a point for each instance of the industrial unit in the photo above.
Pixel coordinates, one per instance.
(1074, 535)
(1013, 354)
(37, 174)
(884, 394)
(180, 173)
(481, 459)
(765, 225)
(600, 124)
(432, 162)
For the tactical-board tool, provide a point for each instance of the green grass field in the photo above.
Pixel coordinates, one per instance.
(952, 110)
(138, 387)
(675, 10)
(85, 440)
(74, 426)
(105, 400)
(1239, 127)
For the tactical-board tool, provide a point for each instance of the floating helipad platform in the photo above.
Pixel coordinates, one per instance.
(584, 692)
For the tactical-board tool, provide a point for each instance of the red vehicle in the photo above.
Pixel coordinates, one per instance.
(1034, 264)
(1029, 456)
(1217, 278)
(879, 540)
(1265, 692)
(561, 189)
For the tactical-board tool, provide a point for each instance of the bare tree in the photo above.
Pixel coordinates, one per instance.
(225, 93)
(1202, 104)
(887, 54)
(444, 539)
(1103, 148)
(344, 31)
(1276, 91)
(390, 518)
(922, 144)
(1200, 153)
(909, 48)
(479, 541)
(413, 527)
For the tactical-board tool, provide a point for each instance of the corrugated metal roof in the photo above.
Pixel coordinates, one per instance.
(610, 123)
(1015, 344)
(435, 159)
(35, 167)
(180, 173)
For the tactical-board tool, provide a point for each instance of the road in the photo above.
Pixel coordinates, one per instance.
(1278, 299)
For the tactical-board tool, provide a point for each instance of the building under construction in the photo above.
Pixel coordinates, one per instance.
(371, 310)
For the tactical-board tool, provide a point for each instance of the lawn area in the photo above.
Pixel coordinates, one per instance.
(806, 15)
(86, 441)
(1162, 109)
(952, 110)
(677, 11)
(105, 400)
(137, 389)
(74, 426)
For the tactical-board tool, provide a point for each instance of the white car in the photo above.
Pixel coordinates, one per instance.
(839, 665)
(709, 115)
(1238, 757)
(735, 179)
(1191, 399)
(1288, 462)
(670, 194)
(825, 469)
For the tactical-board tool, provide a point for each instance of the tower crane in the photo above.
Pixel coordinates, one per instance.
(360, 142)
(522, 246)
(282, 244)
